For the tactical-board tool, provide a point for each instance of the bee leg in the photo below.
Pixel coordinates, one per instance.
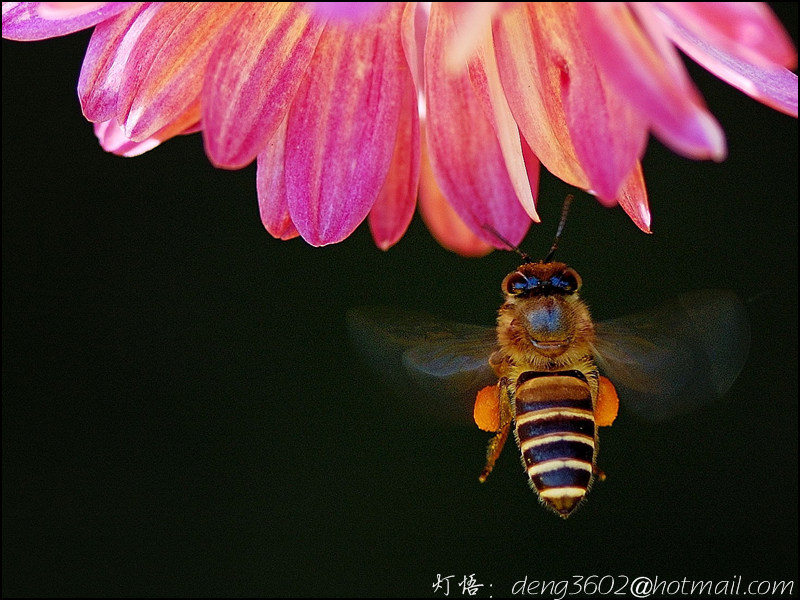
(496, 444)
(598, 473)
(493, 451)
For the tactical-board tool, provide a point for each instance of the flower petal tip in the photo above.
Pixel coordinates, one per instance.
(112, 138)
(642, 218)
(715, 137)
(54, 11)
(697, 136)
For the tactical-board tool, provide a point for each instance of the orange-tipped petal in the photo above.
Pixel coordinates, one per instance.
(634, 55)
(165, 69)
(633, 199)
(271, 186)
(532, 165)
(393, 210)
(466, 157)
(343, 125)
(23, 21)
(442, 221)
(253, 78)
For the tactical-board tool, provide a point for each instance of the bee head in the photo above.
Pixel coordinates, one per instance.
(542, 315)
(542, 312)
(541, 279)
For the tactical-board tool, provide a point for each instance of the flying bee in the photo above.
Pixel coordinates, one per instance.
(549, 384)
(539, 370)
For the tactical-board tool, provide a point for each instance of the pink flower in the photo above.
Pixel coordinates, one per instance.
(354, 110)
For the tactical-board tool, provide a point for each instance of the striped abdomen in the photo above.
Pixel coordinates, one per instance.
(556, 434)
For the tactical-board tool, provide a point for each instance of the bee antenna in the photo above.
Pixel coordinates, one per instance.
(525, 257)
(564, 211)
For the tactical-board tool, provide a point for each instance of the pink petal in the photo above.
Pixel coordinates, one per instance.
(22, 21)
(540, 118)
(393, 210)
(413, 29)
(607, 135)
(442, 221)
(67, 10)
(254, 73)
(590, 124)
(473, 18)
(112, 138)
(485, 80)
(343, 125)
(165, 68)
(634, 55)
(748, 31)
(354, 12)
(106, 59)
(772, 85)
(466, 157)
(633, 199)
(271, 186)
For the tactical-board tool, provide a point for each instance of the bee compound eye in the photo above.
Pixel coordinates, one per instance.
(559, 283)
(517, 283)
(570, 281)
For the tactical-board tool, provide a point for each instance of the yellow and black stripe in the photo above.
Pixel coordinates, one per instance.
(556, 433)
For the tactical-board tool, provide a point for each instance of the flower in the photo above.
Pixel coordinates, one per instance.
(354, 111)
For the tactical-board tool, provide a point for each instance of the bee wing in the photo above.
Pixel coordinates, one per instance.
(437, 366)
(673, 358)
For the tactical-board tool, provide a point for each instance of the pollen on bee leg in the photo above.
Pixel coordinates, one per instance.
(487, 409)
(607, 406)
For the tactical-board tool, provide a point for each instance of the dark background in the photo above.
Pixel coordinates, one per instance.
(182, 414)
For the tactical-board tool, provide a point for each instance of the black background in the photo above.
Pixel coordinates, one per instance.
(182, 414)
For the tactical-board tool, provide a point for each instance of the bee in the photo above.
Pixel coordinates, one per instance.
(547, 368)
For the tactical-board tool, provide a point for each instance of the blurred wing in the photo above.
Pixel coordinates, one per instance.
(436, 366)
(678, 356)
